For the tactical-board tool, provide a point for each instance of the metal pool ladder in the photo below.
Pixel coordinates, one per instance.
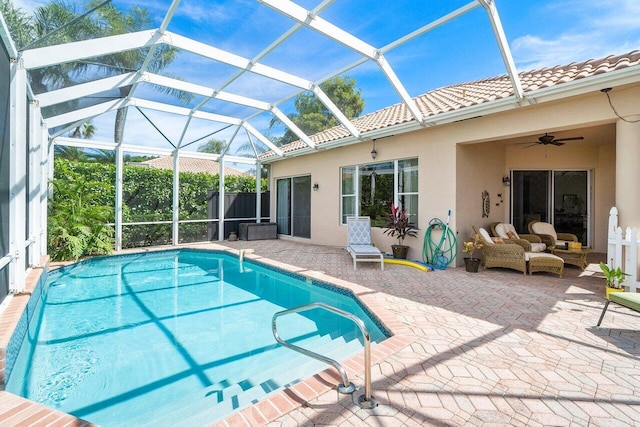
(347, 387)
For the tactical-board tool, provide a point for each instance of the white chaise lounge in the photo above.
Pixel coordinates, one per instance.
(359, 242)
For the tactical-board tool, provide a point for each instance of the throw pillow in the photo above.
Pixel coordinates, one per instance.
(497, 240)
(511, 235)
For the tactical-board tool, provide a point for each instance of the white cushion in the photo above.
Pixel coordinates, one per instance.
(485, 236)
(544, 228)
(503, 229)
(538, 247)
(529, 255)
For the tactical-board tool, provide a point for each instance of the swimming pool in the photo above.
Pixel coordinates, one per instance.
(175, 336)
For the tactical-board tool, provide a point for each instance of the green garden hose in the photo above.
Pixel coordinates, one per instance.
(441, 253)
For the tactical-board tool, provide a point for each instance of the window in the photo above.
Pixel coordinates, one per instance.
(370, 189)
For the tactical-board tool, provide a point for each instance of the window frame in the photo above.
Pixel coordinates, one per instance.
(397, 195)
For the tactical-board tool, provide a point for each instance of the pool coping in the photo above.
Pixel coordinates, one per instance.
(276, 404)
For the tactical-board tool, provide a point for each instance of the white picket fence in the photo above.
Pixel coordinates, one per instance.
(622, 250)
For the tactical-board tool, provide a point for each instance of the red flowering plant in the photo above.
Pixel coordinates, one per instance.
(398, 225)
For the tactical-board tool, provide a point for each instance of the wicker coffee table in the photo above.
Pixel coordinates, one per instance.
(577, 257)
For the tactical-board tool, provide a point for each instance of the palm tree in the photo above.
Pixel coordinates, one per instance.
(47, 27)
(19, 23)
(215, 146)
(71, 153)
(103, 156)
(86, 130)
(41, 30)
(114, 21)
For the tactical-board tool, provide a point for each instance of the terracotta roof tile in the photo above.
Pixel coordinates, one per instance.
(189, 164)
(464, 95)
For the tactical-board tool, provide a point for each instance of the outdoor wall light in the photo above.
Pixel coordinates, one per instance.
(506, 180)
(315, 186)
(374, 153)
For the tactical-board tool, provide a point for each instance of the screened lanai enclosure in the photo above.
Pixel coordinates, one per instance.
(124, 87)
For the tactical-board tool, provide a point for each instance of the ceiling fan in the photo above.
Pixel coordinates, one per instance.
(547, 139)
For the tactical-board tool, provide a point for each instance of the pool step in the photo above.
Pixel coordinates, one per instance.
(196, 409)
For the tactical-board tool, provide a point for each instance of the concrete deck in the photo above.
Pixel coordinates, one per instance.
(491, 348)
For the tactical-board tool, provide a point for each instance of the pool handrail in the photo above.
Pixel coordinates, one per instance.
(365, 401)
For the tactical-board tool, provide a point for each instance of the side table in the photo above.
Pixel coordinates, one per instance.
(577, 257)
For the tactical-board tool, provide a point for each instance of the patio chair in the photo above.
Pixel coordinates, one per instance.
(548, 234)
(505, 255)
(507, 232)
(513, 256)
(630, 300)
(359, 243)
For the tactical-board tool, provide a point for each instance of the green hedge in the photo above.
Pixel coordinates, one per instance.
(147, 197)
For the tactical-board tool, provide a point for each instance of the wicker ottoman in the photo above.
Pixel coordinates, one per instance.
(545, 262)
(260, 231)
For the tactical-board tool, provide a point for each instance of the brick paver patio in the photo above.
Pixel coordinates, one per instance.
(491, 348)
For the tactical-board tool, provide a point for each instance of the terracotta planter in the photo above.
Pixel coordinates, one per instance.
(400, 251)
(472, 264)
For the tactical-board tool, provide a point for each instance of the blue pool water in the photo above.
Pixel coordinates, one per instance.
(174, 337)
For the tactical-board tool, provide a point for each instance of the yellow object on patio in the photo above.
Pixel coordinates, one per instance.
(413, 264)
(608, 291)
(575, 246)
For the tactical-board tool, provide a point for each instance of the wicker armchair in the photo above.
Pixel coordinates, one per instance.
(530, 242)
(548, 234)
(505, 255)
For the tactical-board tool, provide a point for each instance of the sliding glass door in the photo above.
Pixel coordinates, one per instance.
(293, 206)
(556, 196)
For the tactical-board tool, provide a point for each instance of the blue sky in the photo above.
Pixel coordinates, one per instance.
(540, 33)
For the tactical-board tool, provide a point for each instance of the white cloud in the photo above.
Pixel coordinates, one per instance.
(28, 5)
(587, 30)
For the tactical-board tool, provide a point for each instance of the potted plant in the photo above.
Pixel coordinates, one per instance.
(398, 226)
(471, 263)
(615, 277)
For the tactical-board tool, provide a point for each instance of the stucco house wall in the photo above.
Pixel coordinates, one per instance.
(458, 161)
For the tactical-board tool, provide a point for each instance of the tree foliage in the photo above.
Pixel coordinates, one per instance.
(19, 23)
(39, 30)
(214, 146)
(78, 218)
(313, 116)
(49, 26)
(71, 153)
(112, 21)
(85, 130)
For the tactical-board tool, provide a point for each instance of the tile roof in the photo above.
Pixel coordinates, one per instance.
(457, 97)
(189, 164)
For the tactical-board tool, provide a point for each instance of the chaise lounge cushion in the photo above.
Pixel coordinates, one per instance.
(627, 299)
(544, 262)
(544, 228)
(531, 255)
(508, 231)
(359, 244)
(549, 235)
(485, 236)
